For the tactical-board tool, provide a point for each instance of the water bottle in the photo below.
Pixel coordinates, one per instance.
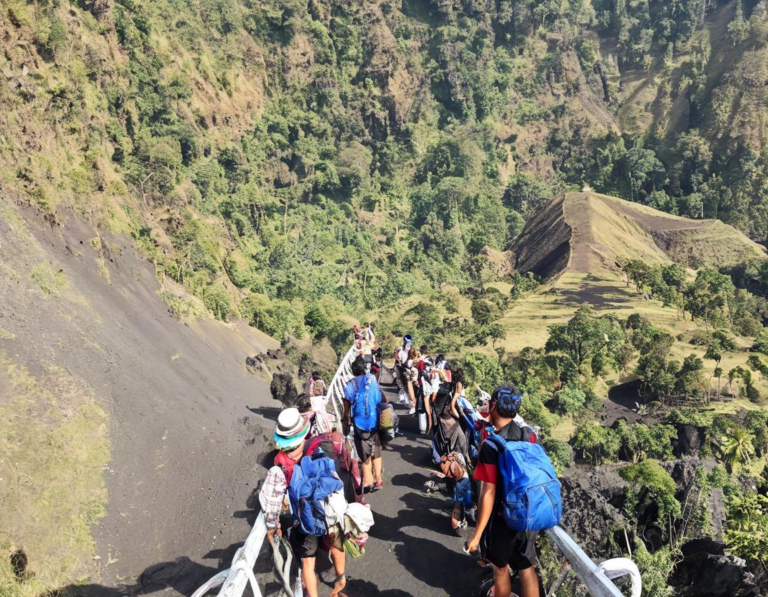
(423, 422)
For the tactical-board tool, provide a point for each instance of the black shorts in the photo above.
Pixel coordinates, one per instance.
(367, 444)
(304, 546)
(507, 547)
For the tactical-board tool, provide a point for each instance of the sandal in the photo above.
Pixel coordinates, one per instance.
(367, 489)
(378, 485)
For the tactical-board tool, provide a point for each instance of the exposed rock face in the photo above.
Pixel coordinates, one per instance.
(590, 513)
(284, 389)
(689, 440)
(707, 571)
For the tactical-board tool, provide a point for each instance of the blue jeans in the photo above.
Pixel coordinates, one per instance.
(462, 492)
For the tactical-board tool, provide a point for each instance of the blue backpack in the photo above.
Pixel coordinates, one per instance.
(313, 480)
(531, 492)
(365, 412)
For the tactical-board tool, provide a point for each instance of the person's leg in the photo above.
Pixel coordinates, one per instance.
(364, 453)
(378, 464)
(502, 582)
(529, 582)
(339, 558)
(308, 576)
(367, 472)
(455, 515)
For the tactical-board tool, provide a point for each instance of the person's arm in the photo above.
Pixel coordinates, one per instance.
(456, 394)
(271, 498)
(484, 512)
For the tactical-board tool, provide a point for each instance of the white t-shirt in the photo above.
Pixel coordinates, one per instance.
(402, 355)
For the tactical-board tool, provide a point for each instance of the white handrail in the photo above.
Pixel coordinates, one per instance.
(343, 374)
(592, 575)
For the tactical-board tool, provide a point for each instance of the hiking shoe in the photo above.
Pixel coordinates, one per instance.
(412, 411)
(462, 524)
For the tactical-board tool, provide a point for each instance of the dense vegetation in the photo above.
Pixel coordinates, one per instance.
(286, 160)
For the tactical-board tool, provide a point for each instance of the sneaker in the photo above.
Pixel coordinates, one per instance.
(412, 411)
(403, 398)
(462, 524)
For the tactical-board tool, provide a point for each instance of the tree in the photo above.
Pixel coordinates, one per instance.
(737, 449)
(645, 172)
(496, 333)
(652, 484)
(597, 443)
(756, 422)
(560, 453)
(657, 375)
(747, 526)
(484, 312)
(690, 378)
(719, 342)
(482, 369)
(570, 401)
(584, 336)
(708, 296)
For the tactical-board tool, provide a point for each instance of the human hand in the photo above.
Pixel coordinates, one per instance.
(472, 545)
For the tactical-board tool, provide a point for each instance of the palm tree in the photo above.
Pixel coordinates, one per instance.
(737, 449)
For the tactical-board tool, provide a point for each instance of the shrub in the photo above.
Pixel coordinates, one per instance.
(570, 401)
(560, 453)
(49, 280)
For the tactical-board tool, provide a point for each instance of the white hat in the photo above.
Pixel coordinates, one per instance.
(289, 422)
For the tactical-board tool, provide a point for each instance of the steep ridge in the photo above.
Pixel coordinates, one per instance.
(178, 449)
(589, 233)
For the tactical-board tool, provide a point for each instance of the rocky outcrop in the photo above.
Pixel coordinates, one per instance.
(689, 440)
(284, 389)
(707, 571)
(591, 501)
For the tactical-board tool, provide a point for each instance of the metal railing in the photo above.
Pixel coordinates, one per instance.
(335, 393)
(597, 578)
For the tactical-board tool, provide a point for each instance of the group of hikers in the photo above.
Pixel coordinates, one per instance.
(497, 473)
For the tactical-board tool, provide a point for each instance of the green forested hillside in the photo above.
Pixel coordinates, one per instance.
(338, 155)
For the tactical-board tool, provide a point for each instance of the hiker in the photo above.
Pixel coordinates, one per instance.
(412, 377)
(362, 397)
(278, 495)
(315, 410)
(430, 384)
(454, 467)
(367, 335)
(315, 386)
(399, 371)
(377, 355)
(503, 547)
(449, 435)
